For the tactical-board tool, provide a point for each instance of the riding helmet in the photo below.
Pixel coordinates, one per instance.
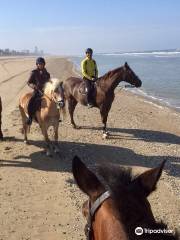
(40, 60)
(89, 50)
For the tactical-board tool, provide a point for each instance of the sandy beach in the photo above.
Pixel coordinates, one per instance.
(38, 197)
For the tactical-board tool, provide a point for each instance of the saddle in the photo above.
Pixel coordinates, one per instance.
(82, 88)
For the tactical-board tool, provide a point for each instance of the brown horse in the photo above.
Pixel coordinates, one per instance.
(118, 207)
(48, 114)
(104, 91)
(1, 135)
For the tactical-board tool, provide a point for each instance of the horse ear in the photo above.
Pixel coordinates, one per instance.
(147, 181)
(86, 180)
(126, 65)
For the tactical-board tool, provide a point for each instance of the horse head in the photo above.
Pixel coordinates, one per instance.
(117, 200)
(130, 76)
(54, 89)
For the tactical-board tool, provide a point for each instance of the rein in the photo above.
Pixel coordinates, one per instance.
(92, 210)
(51, 99)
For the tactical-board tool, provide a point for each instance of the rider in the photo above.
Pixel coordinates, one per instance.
(90, 74)
(37, 80)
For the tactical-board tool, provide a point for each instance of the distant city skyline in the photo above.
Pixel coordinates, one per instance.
(68, 27)
(14, 52)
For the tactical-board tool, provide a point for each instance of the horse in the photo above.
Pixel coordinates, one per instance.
(118, 207)
(103, 94)
(1, 134)
(48, 114)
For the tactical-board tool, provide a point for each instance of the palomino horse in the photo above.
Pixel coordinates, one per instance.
(118, 208)
(104, 91)
(48, 114)
(1, 135)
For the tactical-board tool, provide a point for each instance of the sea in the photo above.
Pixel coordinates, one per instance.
(159, 72)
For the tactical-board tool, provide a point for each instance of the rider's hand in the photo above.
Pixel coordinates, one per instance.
(94, 79)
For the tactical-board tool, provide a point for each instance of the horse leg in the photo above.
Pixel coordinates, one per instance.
(71, 107)
(25, 126)
(56, 148)
(1, 135)
(46, 138)
(104, 115)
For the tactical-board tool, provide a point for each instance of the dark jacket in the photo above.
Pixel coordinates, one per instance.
(39, 78)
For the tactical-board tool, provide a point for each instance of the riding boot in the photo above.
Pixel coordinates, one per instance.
(88, 94)
(32, 107)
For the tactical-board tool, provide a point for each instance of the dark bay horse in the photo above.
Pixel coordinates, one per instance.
(118, 208)
(1, 135)
(104, 91)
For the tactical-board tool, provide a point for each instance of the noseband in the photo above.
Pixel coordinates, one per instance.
(92, 211)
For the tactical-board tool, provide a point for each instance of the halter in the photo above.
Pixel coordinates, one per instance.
(92, 211)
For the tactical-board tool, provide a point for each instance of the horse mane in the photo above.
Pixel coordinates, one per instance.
(103, 79)
(110, 73)
(51, 85)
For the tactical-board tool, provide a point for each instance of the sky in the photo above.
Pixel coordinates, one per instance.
(68, 27)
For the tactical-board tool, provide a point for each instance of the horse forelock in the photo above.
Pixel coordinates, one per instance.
(51, 85)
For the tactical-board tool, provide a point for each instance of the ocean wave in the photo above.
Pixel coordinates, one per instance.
(142, 53)
(155, 99)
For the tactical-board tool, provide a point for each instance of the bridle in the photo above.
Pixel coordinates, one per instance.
(58, 103)
(92, 210)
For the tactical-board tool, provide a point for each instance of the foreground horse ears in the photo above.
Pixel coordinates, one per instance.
(126, 65)
(147, 181)
(86, 180)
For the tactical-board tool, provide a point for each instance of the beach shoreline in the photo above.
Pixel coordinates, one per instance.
(38, 192)
(147, 98)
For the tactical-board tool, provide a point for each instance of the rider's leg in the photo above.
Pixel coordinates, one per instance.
(32, 107)
(88, 87)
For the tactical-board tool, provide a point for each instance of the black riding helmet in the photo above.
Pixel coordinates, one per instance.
(89, 50)
(40, 60)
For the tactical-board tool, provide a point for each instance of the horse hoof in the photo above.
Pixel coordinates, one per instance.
(56, 150)
(48, 153)
(105, 136)
(75, 126)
